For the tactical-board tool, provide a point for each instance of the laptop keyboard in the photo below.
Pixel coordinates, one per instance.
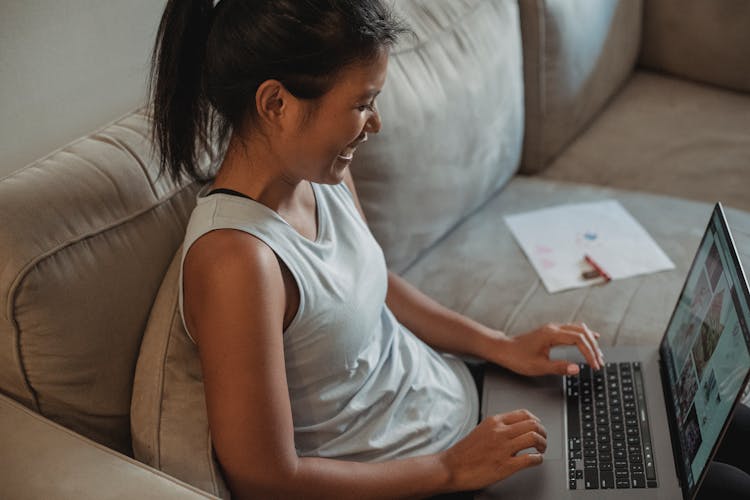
(609, 440)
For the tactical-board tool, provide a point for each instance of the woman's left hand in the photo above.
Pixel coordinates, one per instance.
(528, 353)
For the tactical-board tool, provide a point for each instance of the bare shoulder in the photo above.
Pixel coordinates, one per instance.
(228, 273)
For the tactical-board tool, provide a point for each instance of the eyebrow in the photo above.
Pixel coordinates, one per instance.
(370, 93)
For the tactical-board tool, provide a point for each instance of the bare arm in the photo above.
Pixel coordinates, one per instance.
(234, 299)
(452, 332)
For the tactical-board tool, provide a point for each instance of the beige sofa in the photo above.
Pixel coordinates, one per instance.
(501, 106)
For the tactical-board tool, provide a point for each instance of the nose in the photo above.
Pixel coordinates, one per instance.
(373, 124)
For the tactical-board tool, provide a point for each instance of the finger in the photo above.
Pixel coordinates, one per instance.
(520, 462)
(594, 342)
(590, 334)
(586, 331)
(564, 367)
(520, 428)
(581, 340)
(528, 440)
(517, 416)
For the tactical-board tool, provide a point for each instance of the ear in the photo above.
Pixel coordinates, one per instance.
(272, 102)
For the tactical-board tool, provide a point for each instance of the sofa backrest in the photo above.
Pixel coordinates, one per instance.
(452, 112)
(577, 54)
(706, 41)
(86, 235)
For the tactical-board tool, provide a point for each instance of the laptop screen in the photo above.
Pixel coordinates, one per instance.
(706, 348)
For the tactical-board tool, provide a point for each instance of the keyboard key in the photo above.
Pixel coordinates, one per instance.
(638, 480)
(591, 479)
(599, 402)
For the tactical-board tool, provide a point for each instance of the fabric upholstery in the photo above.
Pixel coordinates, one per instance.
(576, 55)
(86, 236)
(452, 112)
(168, 420)
(480, 270)
(667, 135)
(706, 41)
(66, 465)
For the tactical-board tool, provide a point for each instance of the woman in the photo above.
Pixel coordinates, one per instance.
(322, 370)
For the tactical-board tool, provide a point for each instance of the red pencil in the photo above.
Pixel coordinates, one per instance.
(599, 269)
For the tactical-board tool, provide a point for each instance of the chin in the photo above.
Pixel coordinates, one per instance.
(335, 173)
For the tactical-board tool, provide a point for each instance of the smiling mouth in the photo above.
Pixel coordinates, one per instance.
(348, 153)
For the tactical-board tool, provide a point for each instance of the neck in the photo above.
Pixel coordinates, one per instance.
(253, 168)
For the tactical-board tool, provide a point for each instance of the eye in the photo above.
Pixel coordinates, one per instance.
(367, 107)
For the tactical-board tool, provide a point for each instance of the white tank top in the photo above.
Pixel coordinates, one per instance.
(362, 387)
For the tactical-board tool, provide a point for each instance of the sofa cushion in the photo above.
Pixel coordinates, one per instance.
(576, 56)
(452, 112)
(704, 41)
(667, 135)
(169, 421)
(479, 269)
(86, 236)
(44, 460)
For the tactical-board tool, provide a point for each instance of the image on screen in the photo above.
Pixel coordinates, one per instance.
(708, 353)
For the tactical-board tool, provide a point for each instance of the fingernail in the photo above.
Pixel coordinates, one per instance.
(572, 369)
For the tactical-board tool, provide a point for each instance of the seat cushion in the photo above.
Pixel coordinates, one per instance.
(480, 270)
(168, 417)
(667, 135)
(452, 113)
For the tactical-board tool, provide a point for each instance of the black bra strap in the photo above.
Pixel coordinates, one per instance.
(228, 191)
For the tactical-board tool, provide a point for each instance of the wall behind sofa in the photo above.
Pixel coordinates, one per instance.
(68, 67)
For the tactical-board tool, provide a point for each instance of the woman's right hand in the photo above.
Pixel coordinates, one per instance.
(490, 452)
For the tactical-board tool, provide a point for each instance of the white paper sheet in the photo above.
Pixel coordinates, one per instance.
(556, 240)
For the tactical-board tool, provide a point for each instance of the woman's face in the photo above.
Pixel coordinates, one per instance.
(324, 143)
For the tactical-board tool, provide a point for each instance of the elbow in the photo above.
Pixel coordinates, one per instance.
(271, 481)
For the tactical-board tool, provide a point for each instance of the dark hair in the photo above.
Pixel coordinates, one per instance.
(208, 63)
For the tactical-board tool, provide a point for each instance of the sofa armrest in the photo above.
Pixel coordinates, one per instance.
(706, 41)
(42, 459)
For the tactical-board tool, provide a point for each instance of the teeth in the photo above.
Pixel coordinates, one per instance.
(347, 154)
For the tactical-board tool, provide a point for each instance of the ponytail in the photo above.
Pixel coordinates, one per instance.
(181, 113)
(208, 63)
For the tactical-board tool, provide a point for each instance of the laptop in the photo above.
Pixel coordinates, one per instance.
(648, 424)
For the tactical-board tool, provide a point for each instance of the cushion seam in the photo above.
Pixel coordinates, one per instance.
(214, 483)
(26, 269)
(160, 405)
(625, 312)
(521, 305)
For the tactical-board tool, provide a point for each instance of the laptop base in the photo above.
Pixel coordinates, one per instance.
(505, 391)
